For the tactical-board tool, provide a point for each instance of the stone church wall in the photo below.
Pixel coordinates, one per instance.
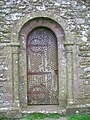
(76, 17)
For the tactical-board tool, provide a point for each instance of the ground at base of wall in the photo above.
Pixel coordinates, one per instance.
(41, 116)
(38, 116)
(58, 117)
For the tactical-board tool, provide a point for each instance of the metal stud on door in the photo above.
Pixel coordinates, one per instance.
(42, 67)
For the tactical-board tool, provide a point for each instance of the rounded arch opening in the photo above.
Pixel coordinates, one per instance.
(45, 22)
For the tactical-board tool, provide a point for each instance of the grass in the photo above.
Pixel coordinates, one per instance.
(78, 117)
(38, 116)
(2, 118)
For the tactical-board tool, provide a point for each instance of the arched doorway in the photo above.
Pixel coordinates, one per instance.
(42, 67)
(42, 63)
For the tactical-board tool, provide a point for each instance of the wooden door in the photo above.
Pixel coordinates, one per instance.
(42, 68)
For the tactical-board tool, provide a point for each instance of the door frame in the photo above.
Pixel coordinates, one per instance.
(58, 31)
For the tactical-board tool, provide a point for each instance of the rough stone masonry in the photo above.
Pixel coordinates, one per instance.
(74, 18)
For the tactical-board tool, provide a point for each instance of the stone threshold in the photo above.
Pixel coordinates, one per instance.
(44, 109)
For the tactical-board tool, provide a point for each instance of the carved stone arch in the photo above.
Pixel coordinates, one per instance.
(17, 27)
